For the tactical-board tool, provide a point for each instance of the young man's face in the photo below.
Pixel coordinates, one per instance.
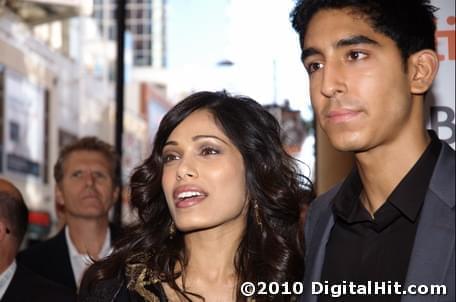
(359, 88)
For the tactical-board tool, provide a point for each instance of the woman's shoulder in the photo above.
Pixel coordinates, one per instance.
(133, 281)
(144, 282)
(107, 290)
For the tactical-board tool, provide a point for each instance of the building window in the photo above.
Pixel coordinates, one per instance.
(98, 13)
(14, 135)
(112, 33)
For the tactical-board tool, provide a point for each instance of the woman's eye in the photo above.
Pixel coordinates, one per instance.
(209, 151)
(169, 157)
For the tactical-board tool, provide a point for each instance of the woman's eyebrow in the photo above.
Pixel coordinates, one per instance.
(202, 136)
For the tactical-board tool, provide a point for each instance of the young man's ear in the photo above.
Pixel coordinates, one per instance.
(422, 68)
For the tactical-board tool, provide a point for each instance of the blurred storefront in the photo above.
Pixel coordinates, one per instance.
(54, 88)
(140, 126)
(294, 128)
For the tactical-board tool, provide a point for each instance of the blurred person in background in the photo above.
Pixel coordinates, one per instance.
(218, 202)
(18, 284)
(370, 65)
(86, 189)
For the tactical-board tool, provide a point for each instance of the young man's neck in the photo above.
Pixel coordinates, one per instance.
(88, 235)
(381, 169)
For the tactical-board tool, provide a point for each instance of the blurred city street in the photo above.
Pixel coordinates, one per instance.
(58, 77)
(59, 67)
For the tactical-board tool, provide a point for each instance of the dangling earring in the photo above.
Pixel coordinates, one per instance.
(256, 209)
(172, 230)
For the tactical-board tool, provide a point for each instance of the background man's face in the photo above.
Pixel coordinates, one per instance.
(87, 189)
(359, 88)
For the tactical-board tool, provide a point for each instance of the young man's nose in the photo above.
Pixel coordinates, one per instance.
(333, 80)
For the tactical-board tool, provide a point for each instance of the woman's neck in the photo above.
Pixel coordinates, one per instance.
(211, 253)
(210, 270)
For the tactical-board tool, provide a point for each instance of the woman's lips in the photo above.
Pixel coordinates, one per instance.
(189, 202)
(188, 195)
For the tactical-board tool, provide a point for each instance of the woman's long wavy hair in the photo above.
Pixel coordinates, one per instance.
(272, 251)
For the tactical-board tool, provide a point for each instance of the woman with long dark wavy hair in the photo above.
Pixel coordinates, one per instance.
(218, 204)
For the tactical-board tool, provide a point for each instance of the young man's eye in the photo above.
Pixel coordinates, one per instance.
(356, 55)
(209, 151)
(312, 67)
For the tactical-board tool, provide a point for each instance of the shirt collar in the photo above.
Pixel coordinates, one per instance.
(407, 197)
(6, 277)
(346, 202)
(105, 249)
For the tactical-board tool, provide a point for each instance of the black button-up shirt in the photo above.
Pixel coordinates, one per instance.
(362, 248)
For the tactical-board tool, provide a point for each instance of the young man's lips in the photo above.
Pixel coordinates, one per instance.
(343, 115)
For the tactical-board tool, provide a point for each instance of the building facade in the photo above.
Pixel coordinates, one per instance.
(53, 89)
(145, 21)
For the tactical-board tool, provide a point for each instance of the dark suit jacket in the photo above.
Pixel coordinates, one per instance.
(27, 286)
(433, 255)
(51, 259)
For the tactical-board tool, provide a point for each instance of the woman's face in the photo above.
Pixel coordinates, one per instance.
(203, 175)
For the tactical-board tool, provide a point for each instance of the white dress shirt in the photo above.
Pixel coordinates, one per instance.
(80, 262)
(6, 277)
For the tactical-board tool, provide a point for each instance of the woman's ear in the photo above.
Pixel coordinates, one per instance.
(422, 69)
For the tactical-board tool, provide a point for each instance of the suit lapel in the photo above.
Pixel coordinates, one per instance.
(316, 257)
(13, 291)
(63, 262)
(433, 250)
